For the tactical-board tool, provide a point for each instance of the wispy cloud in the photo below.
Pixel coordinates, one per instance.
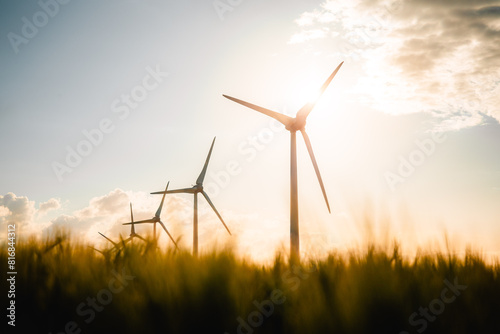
(309, 18)
(307, 35)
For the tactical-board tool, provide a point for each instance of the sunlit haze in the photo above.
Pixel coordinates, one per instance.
(105, 102)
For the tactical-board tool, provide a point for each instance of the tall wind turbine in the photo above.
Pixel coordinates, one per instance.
(154, 220)
(197, 188)
(294, 124)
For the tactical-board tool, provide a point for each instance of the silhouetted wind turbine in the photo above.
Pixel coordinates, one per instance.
(197, 188)
(106, 253)
(132, 229)
(114, 243)
(294, 124)
(100, 251)
(131, 236)
(155, 219)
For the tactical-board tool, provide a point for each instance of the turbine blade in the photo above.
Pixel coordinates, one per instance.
(158, 212)
(97, 250)
(216, 212)
(315, 164)
(176, 191)
(168, 234)
(204, 170)
(140, 222)
(283, 119)
(306, 109)
(132, 229)
(330, 78)
(114, 243)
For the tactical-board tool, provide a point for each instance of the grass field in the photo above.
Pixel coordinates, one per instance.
(64, 286)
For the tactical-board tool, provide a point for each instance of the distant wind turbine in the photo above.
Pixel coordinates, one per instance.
(114, 243)
(107, 252)
(294, 124)
(132, 235)
(154, 220)
(197, 188)
(132, 229)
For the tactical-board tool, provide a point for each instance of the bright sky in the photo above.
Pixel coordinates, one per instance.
(407, 135)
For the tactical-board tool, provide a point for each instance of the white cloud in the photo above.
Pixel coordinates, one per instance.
(51, 204)
(20, 208)
(4, 212)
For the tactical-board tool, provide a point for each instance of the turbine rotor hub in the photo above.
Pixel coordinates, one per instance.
(297, 124)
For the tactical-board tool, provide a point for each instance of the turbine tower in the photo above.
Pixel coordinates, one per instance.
(294, 124)
(197, 188)
(154, 220)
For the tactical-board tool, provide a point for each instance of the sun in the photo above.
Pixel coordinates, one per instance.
(309, 94)
(305, 90)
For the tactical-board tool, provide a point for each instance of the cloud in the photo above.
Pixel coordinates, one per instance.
(16, 210)
(51, 204)
(22, 212)
(307, 35)
(309, 18)
(4, 211)
(421, 55)
(68, 222)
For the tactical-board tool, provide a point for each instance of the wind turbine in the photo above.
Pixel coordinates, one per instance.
(197, 188)
(294, 124)
(131, 236)
(115, 245)
(106, 253)
(154, 220)
(132, 229)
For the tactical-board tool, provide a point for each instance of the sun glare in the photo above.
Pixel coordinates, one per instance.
(305, 88)
(309, 94)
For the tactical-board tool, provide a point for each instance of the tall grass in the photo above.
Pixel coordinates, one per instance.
(173, 292)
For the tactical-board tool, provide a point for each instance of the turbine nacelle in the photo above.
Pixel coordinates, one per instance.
(298, 123)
